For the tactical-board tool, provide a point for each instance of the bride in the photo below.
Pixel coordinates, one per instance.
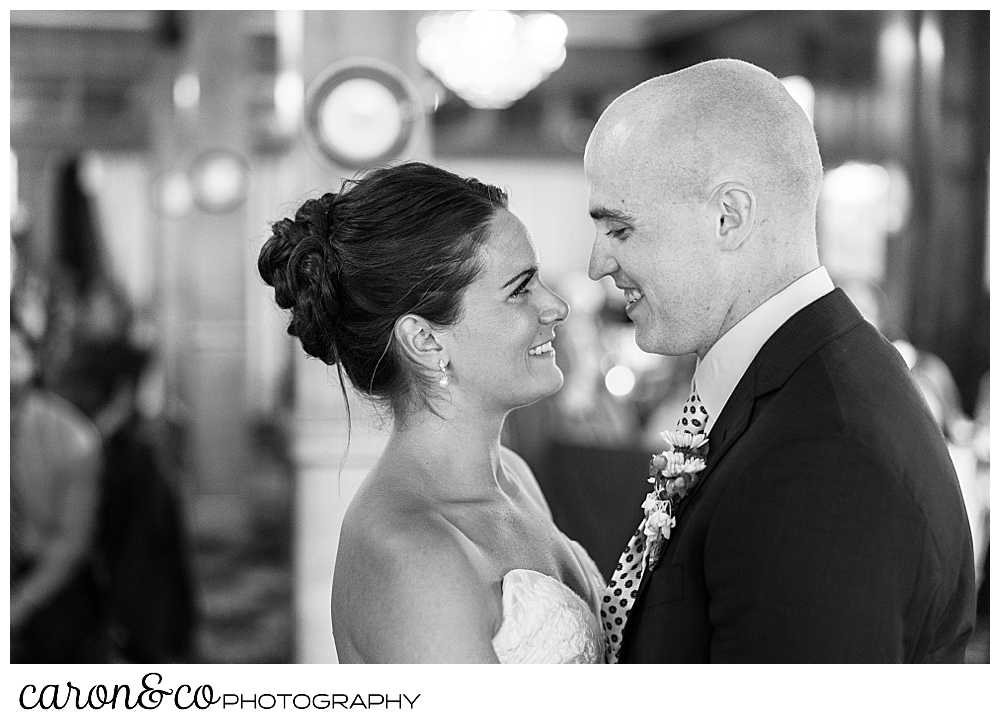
(423, 288)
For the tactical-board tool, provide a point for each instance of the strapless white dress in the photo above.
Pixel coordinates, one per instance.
(546, 622)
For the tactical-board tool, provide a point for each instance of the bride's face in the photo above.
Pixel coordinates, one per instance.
(500, 350)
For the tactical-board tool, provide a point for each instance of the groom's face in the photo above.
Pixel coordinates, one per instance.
(654, 239)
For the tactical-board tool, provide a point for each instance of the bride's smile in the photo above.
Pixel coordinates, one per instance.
(543, 349)
(501, 351)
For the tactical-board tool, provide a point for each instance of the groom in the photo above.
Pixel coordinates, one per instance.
(827, 525)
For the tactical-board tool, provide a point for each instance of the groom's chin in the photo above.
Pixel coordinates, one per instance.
(644, 341)
(648, 341)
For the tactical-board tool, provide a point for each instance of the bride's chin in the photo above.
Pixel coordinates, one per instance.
(555, 385)
(539, 391)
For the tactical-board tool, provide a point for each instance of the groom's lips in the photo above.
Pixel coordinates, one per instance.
(633, 296)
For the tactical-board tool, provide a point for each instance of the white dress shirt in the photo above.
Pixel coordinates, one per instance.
(724, 364)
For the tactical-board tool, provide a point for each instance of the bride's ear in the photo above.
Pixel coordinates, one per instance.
(416, 336)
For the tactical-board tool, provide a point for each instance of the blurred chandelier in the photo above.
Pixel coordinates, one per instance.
(491, 58)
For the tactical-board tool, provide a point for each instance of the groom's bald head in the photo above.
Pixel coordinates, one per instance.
(722, 119)
(703, 190)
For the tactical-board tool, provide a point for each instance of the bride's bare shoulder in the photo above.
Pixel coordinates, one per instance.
(406, 587)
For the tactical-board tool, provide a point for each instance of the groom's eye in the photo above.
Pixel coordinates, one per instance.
(619, 233)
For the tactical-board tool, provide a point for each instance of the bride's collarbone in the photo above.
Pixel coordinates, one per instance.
(499, 518)
(526, 540)
(500, 531)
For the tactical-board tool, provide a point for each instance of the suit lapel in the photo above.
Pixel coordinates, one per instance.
(796, 340)
(803, 334)
(731, 424)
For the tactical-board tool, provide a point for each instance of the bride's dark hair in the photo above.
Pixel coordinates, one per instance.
(395, 241)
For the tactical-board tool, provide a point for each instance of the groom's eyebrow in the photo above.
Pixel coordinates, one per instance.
(603, 213)
(531, 271)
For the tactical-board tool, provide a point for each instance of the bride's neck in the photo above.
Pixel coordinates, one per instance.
(461, 453)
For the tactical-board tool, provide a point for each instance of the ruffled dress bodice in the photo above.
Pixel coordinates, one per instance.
(546, 622)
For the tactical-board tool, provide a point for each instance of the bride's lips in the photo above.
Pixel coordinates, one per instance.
(542, 350)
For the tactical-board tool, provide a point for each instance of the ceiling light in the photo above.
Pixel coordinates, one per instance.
(491, 58)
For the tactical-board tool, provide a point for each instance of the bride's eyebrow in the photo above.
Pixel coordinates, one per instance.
(531, 272)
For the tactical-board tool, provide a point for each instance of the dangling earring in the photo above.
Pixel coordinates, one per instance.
(445, 377)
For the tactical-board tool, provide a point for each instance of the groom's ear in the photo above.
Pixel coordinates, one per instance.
(735, 208)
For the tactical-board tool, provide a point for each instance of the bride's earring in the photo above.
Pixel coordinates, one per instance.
(445, 377)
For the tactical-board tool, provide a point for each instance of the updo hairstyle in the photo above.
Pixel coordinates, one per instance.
(395, 241)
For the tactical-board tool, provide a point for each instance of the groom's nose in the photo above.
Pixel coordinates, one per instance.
(601, 262)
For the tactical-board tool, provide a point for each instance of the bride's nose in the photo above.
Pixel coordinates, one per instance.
(555, 310)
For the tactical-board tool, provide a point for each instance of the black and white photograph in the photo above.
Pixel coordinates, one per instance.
(547, 335)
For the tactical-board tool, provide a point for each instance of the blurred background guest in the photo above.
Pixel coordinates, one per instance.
(91, 470)
(56, 461)
(142, 552)
(929, 371)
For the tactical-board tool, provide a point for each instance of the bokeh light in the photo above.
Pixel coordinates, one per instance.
(620, 380)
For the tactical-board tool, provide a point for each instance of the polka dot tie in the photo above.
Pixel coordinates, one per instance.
(624, 587)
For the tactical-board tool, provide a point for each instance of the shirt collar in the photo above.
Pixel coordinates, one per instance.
(718, 373)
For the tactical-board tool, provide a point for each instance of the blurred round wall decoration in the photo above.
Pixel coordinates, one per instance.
(362, 112)
(491, 58)
(172, 195)
(220, 181)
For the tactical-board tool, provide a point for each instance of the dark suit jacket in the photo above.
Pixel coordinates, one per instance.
(828, 525)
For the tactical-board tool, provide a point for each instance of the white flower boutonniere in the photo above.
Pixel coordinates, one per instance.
(673, 474)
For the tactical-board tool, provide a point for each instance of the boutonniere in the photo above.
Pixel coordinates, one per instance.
(673, 474)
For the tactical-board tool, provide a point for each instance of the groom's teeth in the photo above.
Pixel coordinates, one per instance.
(540, 349)
(632, 296)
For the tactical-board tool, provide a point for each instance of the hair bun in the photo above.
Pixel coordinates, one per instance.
(396, 240)
(299, 261)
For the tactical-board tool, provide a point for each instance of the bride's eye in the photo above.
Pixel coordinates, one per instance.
(522, 288)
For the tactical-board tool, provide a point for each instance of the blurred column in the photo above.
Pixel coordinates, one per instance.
(209, 256)
(948, 303)
(896, 81)
(166, 142)
(199, 104)
(327, 475)
(36, 165)
(923, 160)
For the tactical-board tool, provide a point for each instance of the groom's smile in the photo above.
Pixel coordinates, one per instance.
(632, 297)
